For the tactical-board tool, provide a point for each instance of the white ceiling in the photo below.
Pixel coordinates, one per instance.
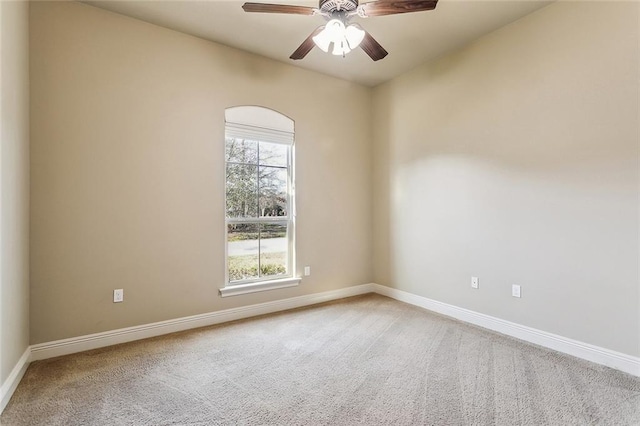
(410, 39)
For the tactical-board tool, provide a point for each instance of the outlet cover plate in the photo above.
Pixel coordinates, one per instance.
(515, 290)
(474, 282)
(118, 295)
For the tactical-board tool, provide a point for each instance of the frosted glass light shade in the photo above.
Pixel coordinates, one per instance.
(322, 40)
(354, 36)
(333, 31)
(341, 48)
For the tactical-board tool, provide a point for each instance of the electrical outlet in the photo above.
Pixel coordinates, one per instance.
(118, 295)
(515, 290)
(474, 282)
(307, 271)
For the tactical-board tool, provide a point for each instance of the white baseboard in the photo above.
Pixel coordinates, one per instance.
(129, 334)
(609, 358)
(619, 361)
(9, 386)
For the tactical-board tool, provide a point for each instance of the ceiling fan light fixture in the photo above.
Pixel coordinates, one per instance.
(337, 32)
(344, 39)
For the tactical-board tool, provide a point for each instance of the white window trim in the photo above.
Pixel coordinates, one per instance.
(254, 287)
(237, 124)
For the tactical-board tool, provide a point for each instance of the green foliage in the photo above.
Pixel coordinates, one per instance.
(246, 267)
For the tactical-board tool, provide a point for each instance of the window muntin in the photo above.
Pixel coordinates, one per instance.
(259, 204)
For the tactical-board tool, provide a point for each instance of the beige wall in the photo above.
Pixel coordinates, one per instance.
(14, 184)
(127, 171)
(516, 160)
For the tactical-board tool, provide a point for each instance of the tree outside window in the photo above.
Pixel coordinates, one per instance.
(258, 200)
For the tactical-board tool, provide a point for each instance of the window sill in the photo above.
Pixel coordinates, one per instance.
(236, 290)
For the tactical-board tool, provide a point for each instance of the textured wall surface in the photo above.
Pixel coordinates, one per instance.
(128, 171)
(515, 160)
(14, 184)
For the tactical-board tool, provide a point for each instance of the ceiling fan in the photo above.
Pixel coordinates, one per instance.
(338, 34)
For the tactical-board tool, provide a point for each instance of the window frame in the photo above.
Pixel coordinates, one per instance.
(253, 133)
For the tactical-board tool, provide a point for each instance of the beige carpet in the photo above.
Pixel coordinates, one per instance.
(366, 360)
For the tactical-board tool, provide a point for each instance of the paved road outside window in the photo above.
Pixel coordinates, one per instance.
(268, 245)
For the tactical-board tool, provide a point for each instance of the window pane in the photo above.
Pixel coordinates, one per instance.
(273, 154)
(242, 190)
(274, 246)
(242, 251)
(273, 191)
(241, 151)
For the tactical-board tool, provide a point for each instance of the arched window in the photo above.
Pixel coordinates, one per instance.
(259, 200)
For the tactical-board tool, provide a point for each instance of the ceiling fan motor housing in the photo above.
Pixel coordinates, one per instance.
(338, 5)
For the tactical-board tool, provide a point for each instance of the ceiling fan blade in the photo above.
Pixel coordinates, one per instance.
(393, 7)
(372, 47)
(306, 45)
(278, 8)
